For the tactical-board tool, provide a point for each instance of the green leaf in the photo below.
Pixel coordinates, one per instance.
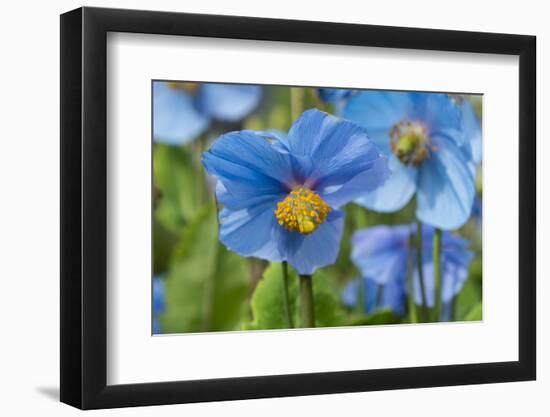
(267, 302)
(379, 316)
(475, 314)
(175, 178)
(164, 242)
(206, 286)
(468, 298)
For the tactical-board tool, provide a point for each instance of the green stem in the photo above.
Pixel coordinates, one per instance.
(437, 274)
(200, 183)
(413, 314)
(297, 102)
(419, 265)
(307, 308)
(286, 297)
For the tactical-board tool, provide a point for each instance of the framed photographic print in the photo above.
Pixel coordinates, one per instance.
(257, 208)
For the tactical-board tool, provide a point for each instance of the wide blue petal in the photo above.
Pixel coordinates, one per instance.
(337, 158)
(175, 119)
(472, 130)
(228, 102)
(249, 166)
(446, 187)
(440, 114)
(306, 253)
(396, 192)
(251, 232)
(378, 112)
(381, 252)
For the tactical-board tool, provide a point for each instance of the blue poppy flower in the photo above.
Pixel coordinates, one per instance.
(334, 95)
(422, 134)
(280, 196)
(381, 253)
(183, 111)
(159, 295)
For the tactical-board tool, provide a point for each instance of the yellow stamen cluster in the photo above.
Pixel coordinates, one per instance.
(302, 211)
(410, 142)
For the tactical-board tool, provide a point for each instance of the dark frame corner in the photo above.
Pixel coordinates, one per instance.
(83, 207)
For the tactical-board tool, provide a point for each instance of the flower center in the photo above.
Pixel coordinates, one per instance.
(410, 142)
(190, 88)
(302, 211)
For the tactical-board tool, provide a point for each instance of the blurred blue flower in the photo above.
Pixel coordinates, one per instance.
(183, 111)
(159, 295)
(455, 264)
(471, 126)
(381, 254)
(422, 133)
(280, 196)
(375, 296)
(334, 95)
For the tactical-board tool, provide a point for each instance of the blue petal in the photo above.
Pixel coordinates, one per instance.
(156, 326)
(377, 112)
(350, 294)
(472, 130)
(159, 294)
(306, 253)
(446, 187)
(249, 167)
(394, 296)
(334, 95)
(397, 190)
(375, 295)
(337, 158)
(440, 114)
(381, 252)
(251, 232)
(228, 102)
(175, 119)
(455, 263)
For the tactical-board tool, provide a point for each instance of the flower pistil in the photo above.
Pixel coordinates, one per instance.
(303, 210)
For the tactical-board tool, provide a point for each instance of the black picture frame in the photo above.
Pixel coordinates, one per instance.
(84, 207)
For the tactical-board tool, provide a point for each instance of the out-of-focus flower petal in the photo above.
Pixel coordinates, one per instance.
(440, 114)
(446, 187)
(159, 294)
(472, 130)
(228, 102)
(380, 252)
(175, 119)
(377, 112)
(396, 192)
(334, 95)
